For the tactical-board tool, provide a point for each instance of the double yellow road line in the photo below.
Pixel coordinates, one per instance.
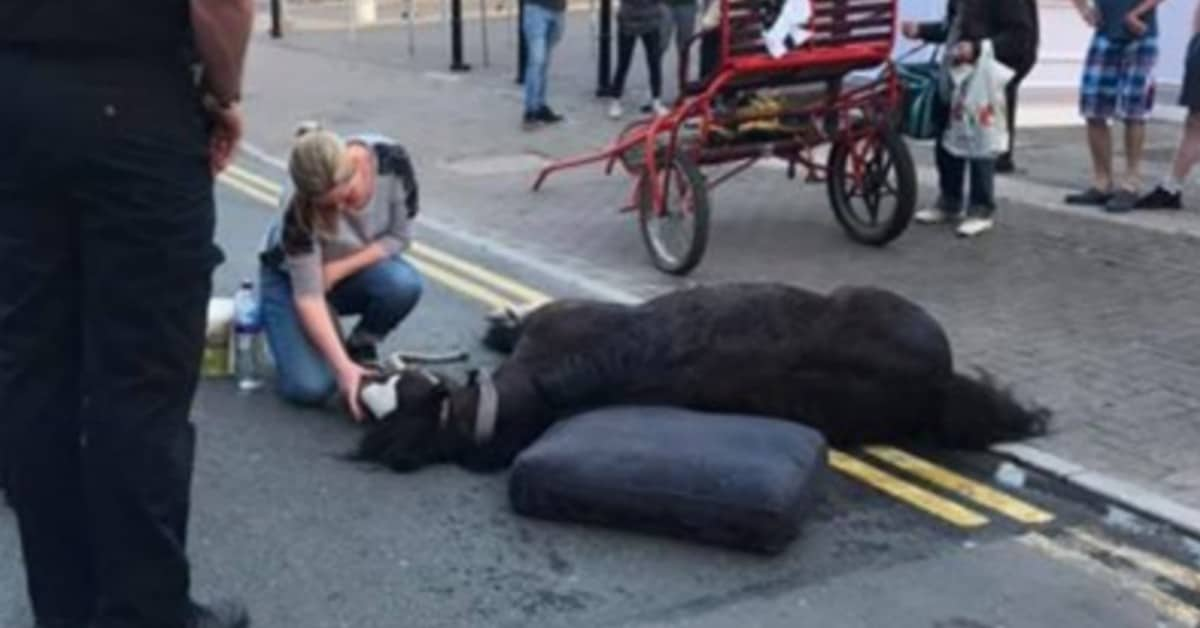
(495, 291)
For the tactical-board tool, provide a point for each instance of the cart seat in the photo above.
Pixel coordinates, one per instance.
(847, 35)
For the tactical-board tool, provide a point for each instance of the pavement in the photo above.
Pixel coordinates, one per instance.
(1084, 313)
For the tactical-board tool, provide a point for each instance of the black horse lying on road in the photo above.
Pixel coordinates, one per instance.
(861, 365)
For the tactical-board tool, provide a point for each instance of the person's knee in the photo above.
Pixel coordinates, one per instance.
(402, 291)
(1097, 123)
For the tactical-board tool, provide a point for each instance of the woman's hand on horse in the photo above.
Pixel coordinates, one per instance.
(910, 30)
(349, 378)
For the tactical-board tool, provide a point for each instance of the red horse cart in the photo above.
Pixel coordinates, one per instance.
(753, 105)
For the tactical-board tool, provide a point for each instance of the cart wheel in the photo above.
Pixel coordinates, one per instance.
(875, 206)
(634, 158)
(677, 237)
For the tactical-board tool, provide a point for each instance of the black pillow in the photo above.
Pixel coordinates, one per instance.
(734, 480)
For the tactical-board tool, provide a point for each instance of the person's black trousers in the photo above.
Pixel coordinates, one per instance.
(1011, 91)
(106, 246)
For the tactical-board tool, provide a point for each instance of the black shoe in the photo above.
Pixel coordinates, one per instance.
(547, 115)
(530, 120)
(1121, 202)
(1090, 196)
(223, 614)
(1160, 198)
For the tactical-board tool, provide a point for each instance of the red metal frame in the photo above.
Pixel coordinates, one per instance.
(834, 51)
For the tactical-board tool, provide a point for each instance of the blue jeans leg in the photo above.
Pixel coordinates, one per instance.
(384, 294)
(983, 183)
(304, 377)
(542, 29)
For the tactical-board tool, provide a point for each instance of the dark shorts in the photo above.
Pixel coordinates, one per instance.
(1189, 96)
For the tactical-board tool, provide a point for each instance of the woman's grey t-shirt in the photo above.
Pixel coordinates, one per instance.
(290, 247)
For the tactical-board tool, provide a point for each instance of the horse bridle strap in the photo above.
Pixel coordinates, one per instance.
(486, 410)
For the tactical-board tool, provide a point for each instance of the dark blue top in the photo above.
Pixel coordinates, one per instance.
(1112, 19)
(152, 28)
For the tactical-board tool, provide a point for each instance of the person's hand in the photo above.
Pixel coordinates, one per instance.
(964, 52)
(910, 30)
(1135, 24)
(1091, 16)
(226, 133)
(349, 378)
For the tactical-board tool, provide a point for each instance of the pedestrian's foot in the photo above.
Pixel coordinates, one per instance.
(530, 120)
(1160, 198)
(222, 614)
(974, 225)
(1090, 196)
(659, 108)
(614, 109)
(934, 216)
(1121, 202)
(547, 115)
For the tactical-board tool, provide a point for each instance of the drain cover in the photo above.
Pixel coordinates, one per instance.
(497, 164)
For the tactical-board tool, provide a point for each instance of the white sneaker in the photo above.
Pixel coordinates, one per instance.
(659, 109)
(974, 225)
(933, 216)
(614, 109)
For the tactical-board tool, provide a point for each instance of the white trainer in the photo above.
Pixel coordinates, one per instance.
(614, 109)
(974, 226)
(933, 216)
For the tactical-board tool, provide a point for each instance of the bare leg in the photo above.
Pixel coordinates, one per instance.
(1189, 149)
(1100, 144)
(1135, 142)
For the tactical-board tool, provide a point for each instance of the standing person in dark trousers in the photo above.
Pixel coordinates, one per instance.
(106, 241)
(1010, 27)
(638, 19)
(542, 26)
(1005, 163)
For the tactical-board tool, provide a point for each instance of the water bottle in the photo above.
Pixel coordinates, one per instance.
(246, 329)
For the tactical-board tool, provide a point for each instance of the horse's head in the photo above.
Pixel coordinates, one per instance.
(410, 411)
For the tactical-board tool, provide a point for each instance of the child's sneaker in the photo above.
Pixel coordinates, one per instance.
(974, 225)
(934, 216)
(659, 109)
(614, 109)
(1160, 198)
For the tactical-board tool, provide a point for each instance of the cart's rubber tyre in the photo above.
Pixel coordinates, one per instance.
(677, 239)
(888, 178)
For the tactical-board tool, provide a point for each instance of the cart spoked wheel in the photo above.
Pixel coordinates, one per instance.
(677, 236)
(633, 158)
(872, 186)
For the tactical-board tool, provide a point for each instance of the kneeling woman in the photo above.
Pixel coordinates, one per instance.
(336, 251)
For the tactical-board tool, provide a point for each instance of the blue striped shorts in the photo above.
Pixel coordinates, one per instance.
(1118, 78)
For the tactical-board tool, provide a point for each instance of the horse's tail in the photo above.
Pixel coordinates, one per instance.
(978, 412)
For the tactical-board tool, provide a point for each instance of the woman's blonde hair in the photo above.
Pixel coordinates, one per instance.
(316, 166)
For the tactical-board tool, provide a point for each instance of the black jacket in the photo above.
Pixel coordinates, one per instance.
(1012, 25)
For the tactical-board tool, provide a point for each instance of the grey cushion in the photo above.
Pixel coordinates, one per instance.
(735, 480)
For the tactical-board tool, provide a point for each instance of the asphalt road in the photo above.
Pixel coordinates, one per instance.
(311, 540)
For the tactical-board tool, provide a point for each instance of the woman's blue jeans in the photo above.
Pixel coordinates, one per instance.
(383, 294)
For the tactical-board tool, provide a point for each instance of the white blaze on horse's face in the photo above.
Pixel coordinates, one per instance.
(380, 397)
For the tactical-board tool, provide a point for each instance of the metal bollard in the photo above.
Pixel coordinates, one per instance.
(522, 49)
(456, 43)
(604, 62)
(276, 19)
(483, 32)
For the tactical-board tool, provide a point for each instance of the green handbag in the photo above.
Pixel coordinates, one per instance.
(919, 82)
